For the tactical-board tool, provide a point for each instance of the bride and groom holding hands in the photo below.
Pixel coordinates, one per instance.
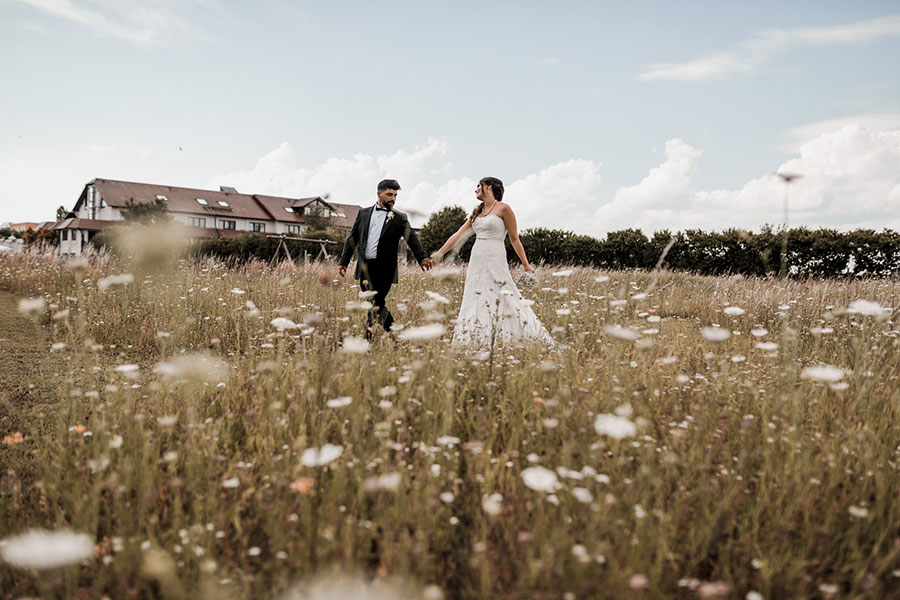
(492, 307)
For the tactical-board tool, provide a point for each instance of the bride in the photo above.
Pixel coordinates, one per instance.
(492, 308)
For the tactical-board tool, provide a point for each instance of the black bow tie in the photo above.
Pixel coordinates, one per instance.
(379, 208)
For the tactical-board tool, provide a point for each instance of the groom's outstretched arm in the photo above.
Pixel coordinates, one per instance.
(412, 240)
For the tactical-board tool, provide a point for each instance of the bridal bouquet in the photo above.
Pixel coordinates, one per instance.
(526, 281)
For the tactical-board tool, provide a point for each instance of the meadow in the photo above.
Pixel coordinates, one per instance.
(223, 431)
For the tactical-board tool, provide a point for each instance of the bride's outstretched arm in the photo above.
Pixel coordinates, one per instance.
(512, 229)
(461, 234)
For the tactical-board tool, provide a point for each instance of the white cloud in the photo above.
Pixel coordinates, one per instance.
(795, 137)
(140, 23)
(769, 42)
(850, 179)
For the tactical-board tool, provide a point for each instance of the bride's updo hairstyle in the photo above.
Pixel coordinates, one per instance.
(496, 188)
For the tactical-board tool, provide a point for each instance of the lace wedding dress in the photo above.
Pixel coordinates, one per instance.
(492, 308)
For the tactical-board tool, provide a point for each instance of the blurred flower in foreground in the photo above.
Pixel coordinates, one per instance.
(319, 457)
(197, 367)
(425, 332)
(355, 345)
(868, 308)
(303, 485)
(339, 402)
(282, 324)
(13, 438)
(734, 311)
(388, 481)
(715, 334)
(38, 549)
(437, 297)
(344, 586)
(31, 307)
(563, 273)
(492, 504)
(115, 280)
(826, 373)
(614, 426)
(540, 479)
(622, 333)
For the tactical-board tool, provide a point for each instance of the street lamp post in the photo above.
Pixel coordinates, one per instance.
(787, 178)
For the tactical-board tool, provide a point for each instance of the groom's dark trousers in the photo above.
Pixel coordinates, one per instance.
(378, 278)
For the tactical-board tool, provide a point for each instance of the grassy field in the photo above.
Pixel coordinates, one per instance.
(206, 453)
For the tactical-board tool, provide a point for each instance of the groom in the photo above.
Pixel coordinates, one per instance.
(376, 234)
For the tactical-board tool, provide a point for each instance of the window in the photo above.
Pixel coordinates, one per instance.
(223, 203)
(293, 229)
(158, 197)
(198, 221)
(288, 209)
(259, 227)
(65, 235)
(225, 224)
(202, 201)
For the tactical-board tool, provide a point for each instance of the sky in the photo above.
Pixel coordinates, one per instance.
(598, 116)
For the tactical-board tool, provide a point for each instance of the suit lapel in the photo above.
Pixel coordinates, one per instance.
(365, 218)
(387, 221)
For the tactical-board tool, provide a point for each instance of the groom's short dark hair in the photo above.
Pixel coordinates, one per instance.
(388, 184)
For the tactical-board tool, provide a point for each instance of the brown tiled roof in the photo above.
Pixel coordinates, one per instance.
(87, 224)
(276, 205)
(184, 200)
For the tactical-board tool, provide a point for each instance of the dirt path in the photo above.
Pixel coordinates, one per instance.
(25, 366)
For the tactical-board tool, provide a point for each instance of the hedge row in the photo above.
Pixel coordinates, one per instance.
(810, 253)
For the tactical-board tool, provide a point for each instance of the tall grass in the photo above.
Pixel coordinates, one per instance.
(743, 476)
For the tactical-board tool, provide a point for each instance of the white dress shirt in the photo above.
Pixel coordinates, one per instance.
(376, 225)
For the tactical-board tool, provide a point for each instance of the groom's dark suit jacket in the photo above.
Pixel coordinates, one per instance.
(396, 225)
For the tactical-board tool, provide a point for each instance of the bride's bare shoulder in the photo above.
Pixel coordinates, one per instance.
(504, 209)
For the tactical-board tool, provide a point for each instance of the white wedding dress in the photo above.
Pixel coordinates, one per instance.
(492, 308)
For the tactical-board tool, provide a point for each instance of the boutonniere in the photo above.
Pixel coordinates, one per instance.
(390, 216)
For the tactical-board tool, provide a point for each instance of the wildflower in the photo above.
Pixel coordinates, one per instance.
(39, 549)
(563, 273)
(712, 590)
(283, 324)
(231, 483)
(237, 291)
(447, 497)
(601, 278)
(622, 333)
(339, 402)
(738, 358)
(564, 312)
(639, 582)
(195, 366)
(115, 442)
(303, 485)
(448, 440)
(715, 334)
(821, 330)
(388, 481)
(581, 553)
(583, 495)
(319, 457)
(425, 332)
(540, 479)
(734, 311)
(437, 297)
(361, 306)
(492, 504)
(860, 512)
(759, 332)
(826, 373)
(254, 551)
(867, 308)
(614, 426)
(31, 307)
(77, 429)
(365, 295)
(115, 280)
(355, 345)
(766, 346)
(167, 420)
(128, 370)
(59, 315)
(13, 438)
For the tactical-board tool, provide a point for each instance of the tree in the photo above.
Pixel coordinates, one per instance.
(314, 214)
(441, 226)
(146, 213)
(61, 213)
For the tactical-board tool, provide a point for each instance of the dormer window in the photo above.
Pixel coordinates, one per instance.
(288, 209)
(202, 202)
(161, 197)
(223, 204)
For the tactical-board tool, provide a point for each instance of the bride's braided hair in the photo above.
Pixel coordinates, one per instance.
(496, 188)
